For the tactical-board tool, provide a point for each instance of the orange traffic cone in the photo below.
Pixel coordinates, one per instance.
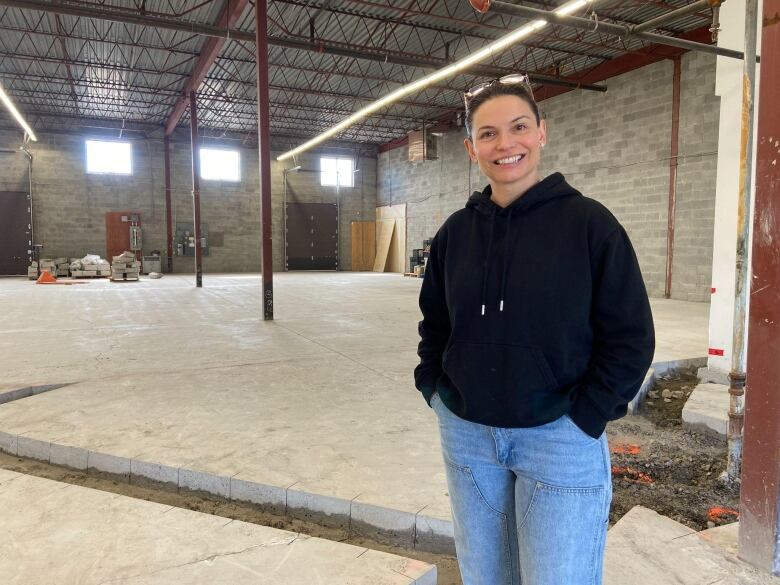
(46, 278)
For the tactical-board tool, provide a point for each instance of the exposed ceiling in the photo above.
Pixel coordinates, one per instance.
(327, 58)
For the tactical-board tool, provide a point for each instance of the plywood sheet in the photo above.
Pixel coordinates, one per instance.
(363, 245)
(385, 229)
(396, 258)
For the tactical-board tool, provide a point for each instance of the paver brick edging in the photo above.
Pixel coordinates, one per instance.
(418, 530)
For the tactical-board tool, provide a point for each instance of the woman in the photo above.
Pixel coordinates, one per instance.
(536, 331)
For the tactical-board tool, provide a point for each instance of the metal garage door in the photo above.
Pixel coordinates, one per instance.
(312, 236)
(15, 233)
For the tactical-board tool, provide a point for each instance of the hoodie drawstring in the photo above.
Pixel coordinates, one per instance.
(486, 269)
(505, 270)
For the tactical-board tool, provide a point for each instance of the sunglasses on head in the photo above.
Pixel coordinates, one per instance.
(513, 79)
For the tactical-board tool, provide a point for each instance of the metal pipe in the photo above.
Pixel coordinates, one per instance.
(32, 217)
(742, 286)
(343, 49)
(284, 218)
(264, 155)
(168, 207)
(671, 16)
(674, 149)
(604, 27)
(196, 188)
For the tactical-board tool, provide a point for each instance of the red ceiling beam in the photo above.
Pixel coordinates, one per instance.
(228, 17)
(629, 62)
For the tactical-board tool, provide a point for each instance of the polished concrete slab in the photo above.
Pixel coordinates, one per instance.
(645, 548)
(314, 413)
(64, 533)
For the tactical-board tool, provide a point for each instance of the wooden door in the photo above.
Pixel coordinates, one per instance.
(118, 232)
(312, 236)
(15, 233)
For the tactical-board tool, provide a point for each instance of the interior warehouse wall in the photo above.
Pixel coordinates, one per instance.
(613, 147)
(70, 205)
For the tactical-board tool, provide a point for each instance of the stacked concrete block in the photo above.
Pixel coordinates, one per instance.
(91, 266)
(50, 265)
(63, 267)
(125, 267)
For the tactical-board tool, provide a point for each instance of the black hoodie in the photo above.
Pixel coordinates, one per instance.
(534, 311)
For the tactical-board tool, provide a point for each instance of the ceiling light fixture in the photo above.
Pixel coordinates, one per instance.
(15, 113)
(487, 51)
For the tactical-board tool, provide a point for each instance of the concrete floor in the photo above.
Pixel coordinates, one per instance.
(62, 533)
(314, 413)
(645, 548)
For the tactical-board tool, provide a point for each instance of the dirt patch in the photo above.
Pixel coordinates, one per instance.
(447, 565)
(659, 465)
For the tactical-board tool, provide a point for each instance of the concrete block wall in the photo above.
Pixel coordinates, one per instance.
(613, 147)
(696, 179)
(70, 205)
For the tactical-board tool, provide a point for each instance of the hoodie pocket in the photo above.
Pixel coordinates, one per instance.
(515, 380)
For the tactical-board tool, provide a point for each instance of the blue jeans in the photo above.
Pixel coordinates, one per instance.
(530, 506)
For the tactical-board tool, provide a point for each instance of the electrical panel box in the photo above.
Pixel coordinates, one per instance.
(184, 239)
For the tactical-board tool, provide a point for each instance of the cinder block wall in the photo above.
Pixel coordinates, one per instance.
(70, 205)
(614, 147)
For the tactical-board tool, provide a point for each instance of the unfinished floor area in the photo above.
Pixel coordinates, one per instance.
(314, 414)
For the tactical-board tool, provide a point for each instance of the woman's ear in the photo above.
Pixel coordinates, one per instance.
(470, 149)
(543, 132)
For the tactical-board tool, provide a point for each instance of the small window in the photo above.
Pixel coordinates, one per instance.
(336, 172)
(109, 157)
(220, 165)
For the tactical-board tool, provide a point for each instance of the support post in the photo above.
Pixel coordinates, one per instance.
(196, 188)
(672, 207)
(742, 272)
(759, 530)
(264, 154)
(168, 208)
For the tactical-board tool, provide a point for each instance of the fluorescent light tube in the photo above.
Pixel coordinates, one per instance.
(448, 71)
(15, 113)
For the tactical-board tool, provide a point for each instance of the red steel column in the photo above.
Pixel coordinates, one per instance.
(760, 492)
(264, 151)
(672, 208)
(168, 209)
(196, 187)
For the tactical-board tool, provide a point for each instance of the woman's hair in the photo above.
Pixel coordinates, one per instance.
(498, 89)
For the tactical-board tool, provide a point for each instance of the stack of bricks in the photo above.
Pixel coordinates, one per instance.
(125, 267)
(63, 267)
(79, 269)
(50, 265)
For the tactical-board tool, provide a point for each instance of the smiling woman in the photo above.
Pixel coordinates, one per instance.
(536, 332)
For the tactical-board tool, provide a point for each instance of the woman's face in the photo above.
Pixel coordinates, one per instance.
(506, 143)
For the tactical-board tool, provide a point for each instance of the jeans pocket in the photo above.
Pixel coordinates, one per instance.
(577, 430)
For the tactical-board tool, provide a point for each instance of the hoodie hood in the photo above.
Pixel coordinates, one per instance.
(550, 188)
